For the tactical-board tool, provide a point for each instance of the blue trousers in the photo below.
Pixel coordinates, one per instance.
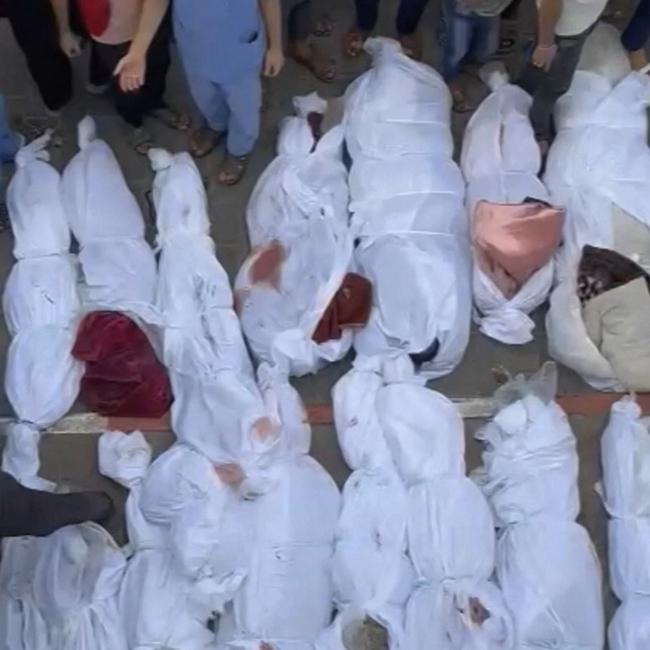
(465, 37)
(637, 32)
(232, 107)
(9, 142)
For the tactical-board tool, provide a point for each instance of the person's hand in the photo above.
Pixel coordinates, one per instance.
(543, 56)
(70, 44)
(131, 70)
(273, 62)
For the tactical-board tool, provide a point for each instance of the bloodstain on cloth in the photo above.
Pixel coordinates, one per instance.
(350, 308)
(123, 377)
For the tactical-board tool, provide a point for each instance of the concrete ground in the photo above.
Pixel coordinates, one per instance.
(71, 458)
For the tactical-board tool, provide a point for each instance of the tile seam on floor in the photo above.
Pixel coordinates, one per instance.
(587, 404)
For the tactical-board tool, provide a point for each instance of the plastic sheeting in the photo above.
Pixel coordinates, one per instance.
(407, 201)
(546, 564)
(301, 204)
(118, 266)
(155, 601)
(218, 408)
(501, 161)
(40, 304)
(373, 575)
(599, 163)
(625, 488)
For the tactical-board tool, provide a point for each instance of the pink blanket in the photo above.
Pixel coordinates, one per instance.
(512, 242)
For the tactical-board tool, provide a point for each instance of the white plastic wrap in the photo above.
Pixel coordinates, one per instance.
(76, 582)
(373, 575)
(218, 408)
(501, 161)
(288, 541)
(625, 488)
(307, 176)
(599, 163)
(407, 199)
(546, 564)
(300, 202)
(118, 266)
(154, 600)
(41, 305)
(22, 624)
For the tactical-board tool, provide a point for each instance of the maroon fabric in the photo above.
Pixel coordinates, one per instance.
(123, 377)
(350, 308)
(95, 15)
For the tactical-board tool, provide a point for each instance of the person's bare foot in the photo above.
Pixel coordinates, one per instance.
(314, 59)
(411, 46)
(233, 169)
(460, 103)
(353, 42)
(638, 59)
(203, 141)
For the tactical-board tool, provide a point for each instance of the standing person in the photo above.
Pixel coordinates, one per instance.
(562, 29)
(636, 35)
(131, 44)
(367, 12)
(224, 46)
(47, 51)
(301, 25)
(469, 33)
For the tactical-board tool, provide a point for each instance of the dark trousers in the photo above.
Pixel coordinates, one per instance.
(408, 15)
(133, 106)
(637, 32)
(301, 22)
(31, 512)
(34, 26)
(547, 87)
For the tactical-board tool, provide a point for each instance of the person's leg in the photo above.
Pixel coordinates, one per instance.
(485, 39)
(244, 99)
(409, 15)
(455, 37)
(31, 512)
(34, 27)
(212, 106)
(366, 14)
(547, 87)
(636, 35)
(301, 25)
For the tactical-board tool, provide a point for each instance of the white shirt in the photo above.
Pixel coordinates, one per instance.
(577, 16)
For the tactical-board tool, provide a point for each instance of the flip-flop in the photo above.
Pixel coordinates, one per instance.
(234, 167)
(321, 66)
(171, 118)
(203, 141)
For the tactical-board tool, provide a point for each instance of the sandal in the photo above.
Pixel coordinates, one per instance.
(353, 43)
(313, 58)
(411, 46)
(233, 169)
(171, 118)
(141, 141)
(324, 26)
(203, 141)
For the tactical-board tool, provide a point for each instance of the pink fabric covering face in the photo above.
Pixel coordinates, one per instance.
(512, 242)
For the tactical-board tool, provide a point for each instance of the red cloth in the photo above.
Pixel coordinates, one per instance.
(95, 15)
(123, 377)
(350, 308)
